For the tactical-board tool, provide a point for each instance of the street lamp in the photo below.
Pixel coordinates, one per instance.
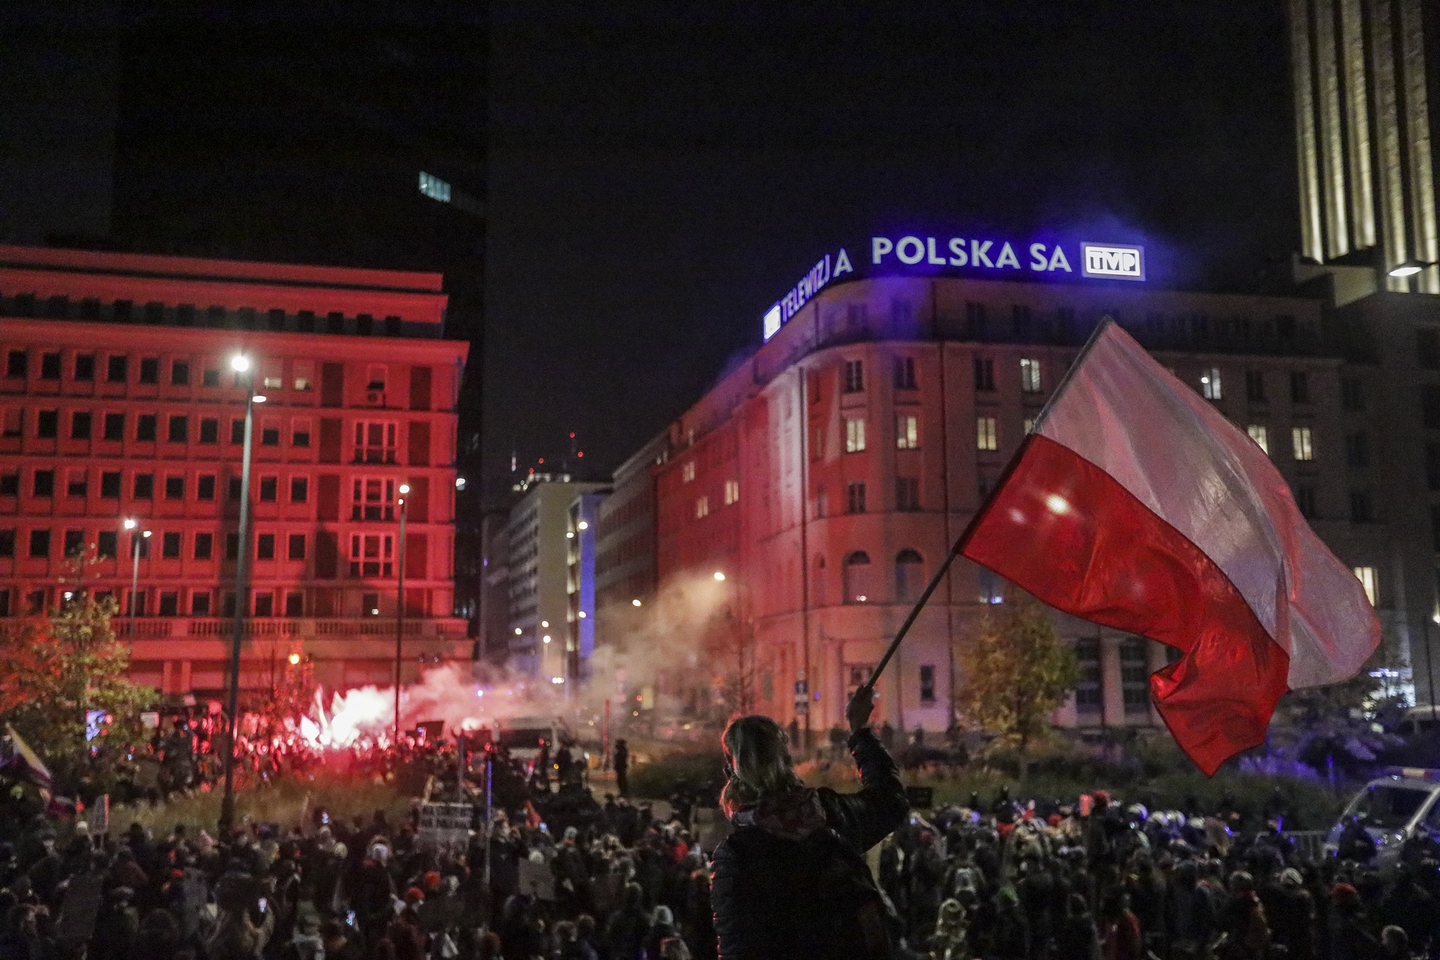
(240, 364)
(1409, 268)
(400, 608)
(131, 524)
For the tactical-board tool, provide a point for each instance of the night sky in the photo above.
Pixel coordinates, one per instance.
(660, 173)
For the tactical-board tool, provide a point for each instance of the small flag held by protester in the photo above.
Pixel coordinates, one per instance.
(1137, 505)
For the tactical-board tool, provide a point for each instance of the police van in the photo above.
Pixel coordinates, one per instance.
(1392, 809)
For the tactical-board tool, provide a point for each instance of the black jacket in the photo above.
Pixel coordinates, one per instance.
(801, 889)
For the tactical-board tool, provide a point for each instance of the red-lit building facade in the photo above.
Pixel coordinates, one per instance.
(828, 475)
(119, 401)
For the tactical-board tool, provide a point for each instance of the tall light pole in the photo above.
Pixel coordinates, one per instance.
(400, 608)
(240, 364)
(134, 570)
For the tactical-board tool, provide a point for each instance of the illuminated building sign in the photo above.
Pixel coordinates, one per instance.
(929, 256)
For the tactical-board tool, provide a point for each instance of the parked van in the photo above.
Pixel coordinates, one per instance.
(1392, 809)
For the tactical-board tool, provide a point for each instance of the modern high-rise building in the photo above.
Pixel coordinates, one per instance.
(119, 403)
(1366, 160)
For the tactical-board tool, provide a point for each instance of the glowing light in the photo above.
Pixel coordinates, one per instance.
(404, 488)
(374, 611)
(294, 659)
(479, 693)
(129, 524)
(518, 631)
(544, 623)
(68, 594)
(1057, 504)
(239, 363)
(635, 603)
(569, 534)
(1408, 269)
(459, 483)
(546, 638)
(719, 576)
(147, 534)
(862, 598)
(582, 614)
(259, 398)
(557, 679)
(583, 525)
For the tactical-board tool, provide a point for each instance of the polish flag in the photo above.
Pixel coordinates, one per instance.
(1135, 504)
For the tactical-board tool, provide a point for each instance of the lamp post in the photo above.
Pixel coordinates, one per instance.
(1430, 662)
(400, 608)
(134, 569)
(240, 364)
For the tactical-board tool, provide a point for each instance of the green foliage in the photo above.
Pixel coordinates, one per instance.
(57, 667)
(1017, 672)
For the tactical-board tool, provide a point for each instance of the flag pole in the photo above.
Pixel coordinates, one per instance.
(970, 527)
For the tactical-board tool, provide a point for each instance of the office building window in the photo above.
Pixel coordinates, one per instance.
(1029, 375)
(294, 604)
(985, 437)
(237, 430)
(304, 371)
(300, 432)
(854, 376)
(7, 542)
(44, 484)
(205, 486)
(209, 430)
(107, 545)
(1361, 510)
(907, 431)
(1351, 395)
(269, 489)
(80, 426)
(179, 429)
(170, 546)
(857, 578)
(13, 422)
(375, 441)
(175, 488)
(117, 369)
(1366, 576)
(1134, 677)
(144, 486)
(927, 683)
(210, 377)
(10, 484)
(16, 364)
(732, 492)
(297, 546)
(1300, 443)
(114, 426)
(265, 546)
(264, 605)
(85, 367)
(702, 507)
(1357, 451)
(47, 424)
(907, 493)
(110, 484)
(1299, 387)
(984, 373)
(200, 603)
(905, 373)
(76, 483)
(854, 435)
(204, 544)
(1305, 500)
(150, 370)
(370, 555)
(235, 484)
(1210, 387)
(270, 433)
(50, 366)
(180, 373)
(74, 542)
(39, 544)
(372, 498)
(855, 497)
(299, 489)
(1260, 435)
(147, 427)
(232, 546)
(687, 471)
(909, 576)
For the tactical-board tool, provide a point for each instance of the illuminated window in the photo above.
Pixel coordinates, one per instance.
(985, 438)
(372, 498)
(1029, 376)
(687, 471)
(702, 507)
(907, 431)
(854, 376)
(1260, 435)
(854, 435)
(732, 491)
(1366, 576)
(434, 188)
(1210, 384)
(1029, 425)
(370, 555)
(304, 375)
(375, 441)
(1300, 443)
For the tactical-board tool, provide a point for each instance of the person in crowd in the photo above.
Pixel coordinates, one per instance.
(621, 764)
(791, 880)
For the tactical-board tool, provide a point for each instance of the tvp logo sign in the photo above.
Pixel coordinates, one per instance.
(1109, 261)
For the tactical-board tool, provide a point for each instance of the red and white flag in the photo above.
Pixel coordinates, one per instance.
(1136, 505)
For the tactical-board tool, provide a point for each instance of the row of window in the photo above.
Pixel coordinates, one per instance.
(88, 425)
(86, 368)
(371, 498)
(170, 602)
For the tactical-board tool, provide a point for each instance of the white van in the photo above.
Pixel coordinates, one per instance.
(1392, 809)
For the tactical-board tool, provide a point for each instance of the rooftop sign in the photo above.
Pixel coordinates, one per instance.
(983, 256)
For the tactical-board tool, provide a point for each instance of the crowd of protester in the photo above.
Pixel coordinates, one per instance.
(561, 875)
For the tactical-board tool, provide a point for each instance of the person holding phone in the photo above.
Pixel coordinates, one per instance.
(791, 882)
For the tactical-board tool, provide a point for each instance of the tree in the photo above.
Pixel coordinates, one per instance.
(287, 691)
(1017, 672)
(59, 666)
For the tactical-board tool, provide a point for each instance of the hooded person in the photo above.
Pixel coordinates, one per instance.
(791, 879)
